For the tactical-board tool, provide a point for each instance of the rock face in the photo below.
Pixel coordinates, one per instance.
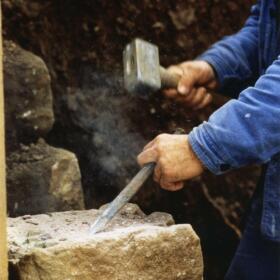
(28, 95)
(41, 178)
(133, 247)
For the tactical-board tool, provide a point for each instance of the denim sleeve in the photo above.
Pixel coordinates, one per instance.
(245, 130)
(234, 58)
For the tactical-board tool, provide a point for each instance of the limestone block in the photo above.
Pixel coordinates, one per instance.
(41, 178)
(133, 247)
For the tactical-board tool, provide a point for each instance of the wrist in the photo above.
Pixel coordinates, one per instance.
(207, 72)
(194, 157)
(213, 71)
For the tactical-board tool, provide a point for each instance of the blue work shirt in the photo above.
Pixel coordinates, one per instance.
(246, 130)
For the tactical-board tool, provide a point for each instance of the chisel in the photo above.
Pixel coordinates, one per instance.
(124, 196)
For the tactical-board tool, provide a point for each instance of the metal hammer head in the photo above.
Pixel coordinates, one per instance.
(141, 68)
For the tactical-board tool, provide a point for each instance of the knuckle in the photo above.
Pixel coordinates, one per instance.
(187, 65)
(201, 93)
(163, 183)
(157, 139)
(173, 67)
(139, 159)
(171, 187)
(161, 135)
(203, 90)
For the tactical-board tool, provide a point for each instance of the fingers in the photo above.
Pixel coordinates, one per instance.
(171, 186)
(186, 82)
(160, 178)
(212, 85)
(205, 102)
(187, 99)
(149, 145)
(197, 99)
(164, 183)
(170, 93)
(151, 155)
(196, 78)
(148, 155)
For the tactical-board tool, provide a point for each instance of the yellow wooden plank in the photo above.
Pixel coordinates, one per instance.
(3, 241)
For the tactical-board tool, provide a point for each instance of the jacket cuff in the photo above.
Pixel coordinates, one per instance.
(207, 151)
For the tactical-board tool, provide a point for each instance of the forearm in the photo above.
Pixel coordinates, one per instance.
(243, 131)
(234, 57)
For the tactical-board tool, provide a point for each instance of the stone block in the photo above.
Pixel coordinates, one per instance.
(41, 178)
(133, 247)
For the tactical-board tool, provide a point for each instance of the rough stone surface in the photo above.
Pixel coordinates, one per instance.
(133, 247)
(28, 95)
(41, 178)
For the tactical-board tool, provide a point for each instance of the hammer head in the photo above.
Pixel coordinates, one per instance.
(141, 68)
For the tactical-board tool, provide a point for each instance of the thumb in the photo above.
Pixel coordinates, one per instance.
(186, 84)
(148, 155)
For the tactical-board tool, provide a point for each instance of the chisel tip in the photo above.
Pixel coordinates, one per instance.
(98, 225)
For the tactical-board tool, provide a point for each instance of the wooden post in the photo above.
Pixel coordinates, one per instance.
(3, 211)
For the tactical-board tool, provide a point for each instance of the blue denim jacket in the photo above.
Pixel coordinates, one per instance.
(246, 130)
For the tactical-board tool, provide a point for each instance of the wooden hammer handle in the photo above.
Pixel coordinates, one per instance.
(168, 80)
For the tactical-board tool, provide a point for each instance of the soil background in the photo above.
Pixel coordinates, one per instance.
(82, 42)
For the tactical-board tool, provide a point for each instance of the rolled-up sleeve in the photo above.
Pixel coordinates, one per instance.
(234, 58)
(243, 131)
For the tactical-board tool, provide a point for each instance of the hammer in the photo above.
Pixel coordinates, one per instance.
(143, 74)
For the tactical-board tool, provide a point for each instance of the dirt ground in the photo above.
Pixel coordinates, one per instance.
(81, 42)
